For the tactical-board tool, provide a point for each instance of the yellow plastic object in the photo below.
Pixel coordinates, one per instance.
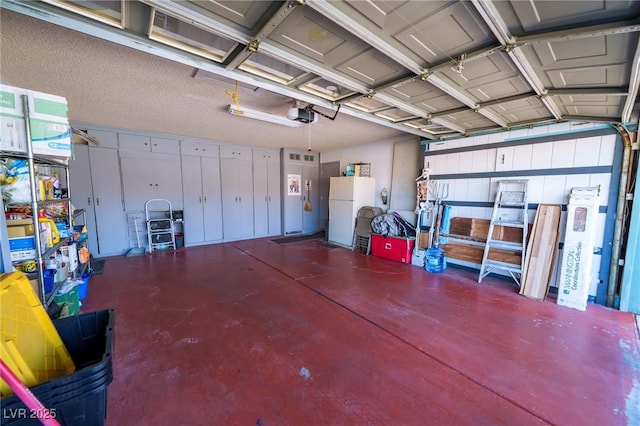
(30, 344)
(52, 228)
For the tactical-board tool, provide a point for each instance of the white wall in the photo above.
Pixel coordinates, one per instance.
(379, 154)
(560, 155)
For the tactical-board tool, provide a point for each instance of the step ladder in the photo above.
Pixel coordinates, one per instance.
(160, 228)
(510, 210)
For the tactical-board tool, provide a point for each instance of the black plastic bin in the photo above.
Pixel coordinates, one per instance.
(79, 398)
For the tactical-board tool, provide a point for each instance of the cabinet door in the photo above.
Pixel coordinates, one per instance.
(192, 197)
(211, 201)
(137, 176)
(110, 220)
(260, 198)
(167, 180)
(107, 139)
(134, 142)
(167, 146)
(245, 190)
(81, 190)
(237, 198)
(273, 195)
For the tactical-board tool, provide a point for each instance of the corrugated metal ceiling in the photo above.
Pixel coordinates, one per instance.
(437, 69)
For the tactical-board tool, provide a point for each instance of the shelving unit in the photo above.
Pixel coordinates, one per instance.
(85, 267)
(39, 251)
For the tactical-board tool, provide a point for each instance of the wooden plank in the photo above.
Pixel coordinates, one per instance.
(541, 252)
(462, 226)
(474, 254)
(477, 230)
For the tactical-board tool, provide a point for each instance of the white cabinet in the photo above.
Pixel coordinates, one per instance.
(200, 149)
(132, 142)
(150, 175)
(95, 182)
(237, 192)
(346, 196)
(202, 199)
(267, 219)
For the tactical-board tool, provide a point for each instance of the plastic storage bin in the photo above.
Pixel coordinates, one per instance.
(49, 280)
(30, 345)
(68, 301)
(393, 248)
(84, 287)
(79, 398)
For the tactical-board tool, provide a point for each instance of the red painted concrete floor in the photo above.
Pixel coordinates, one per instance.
(260, 333)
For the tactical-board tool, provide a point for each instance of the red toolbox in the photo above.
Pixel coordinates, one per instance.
(392, 248)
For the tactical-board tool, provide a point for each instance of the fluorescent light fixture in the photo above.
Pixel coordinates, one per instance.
(259, 115)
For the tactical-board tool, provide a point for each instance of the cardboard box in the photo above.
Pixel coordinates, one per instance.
(20, 231)
(22, 248)
(12, 126)
(48, 123)
(576, 273)
(392, 248)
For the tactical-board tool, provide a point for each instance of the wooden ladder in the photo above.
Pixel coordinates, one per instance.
(510, 209)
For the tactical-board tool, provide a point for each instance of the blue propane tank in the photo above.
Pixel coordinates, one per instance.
(434, 260)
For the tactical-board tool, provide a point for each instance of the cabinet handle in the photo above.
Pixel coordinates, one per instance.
(97, 201)
(205, 198)
(156, 184)
(200, 200)
(240, 198)
(236, 198)
(502, 158)
(150, 184)
(269, 197)
(88, 201)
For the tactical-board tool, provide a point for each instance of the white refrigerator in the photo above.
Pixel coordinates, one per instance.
(347, 194)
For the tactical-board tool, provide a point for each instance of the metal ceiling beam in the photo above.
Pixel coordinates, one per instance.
(507, 100)
(590, 91)
(274, 20)
(491, 16)
(608, 120)
(74, 22)
(611, 28)
(449, 125)
(489, 115)
(448, 112)
(178, 10)
(328, 9)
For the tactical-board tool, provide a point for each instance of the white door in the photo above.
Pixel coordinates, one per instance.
(260, 197)
(167, 179)
(81, 191)
(110, 220)
(137, 175)
(293, 203)
(273, 195)
(192, 197)
(237, 198)
(211, 199)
